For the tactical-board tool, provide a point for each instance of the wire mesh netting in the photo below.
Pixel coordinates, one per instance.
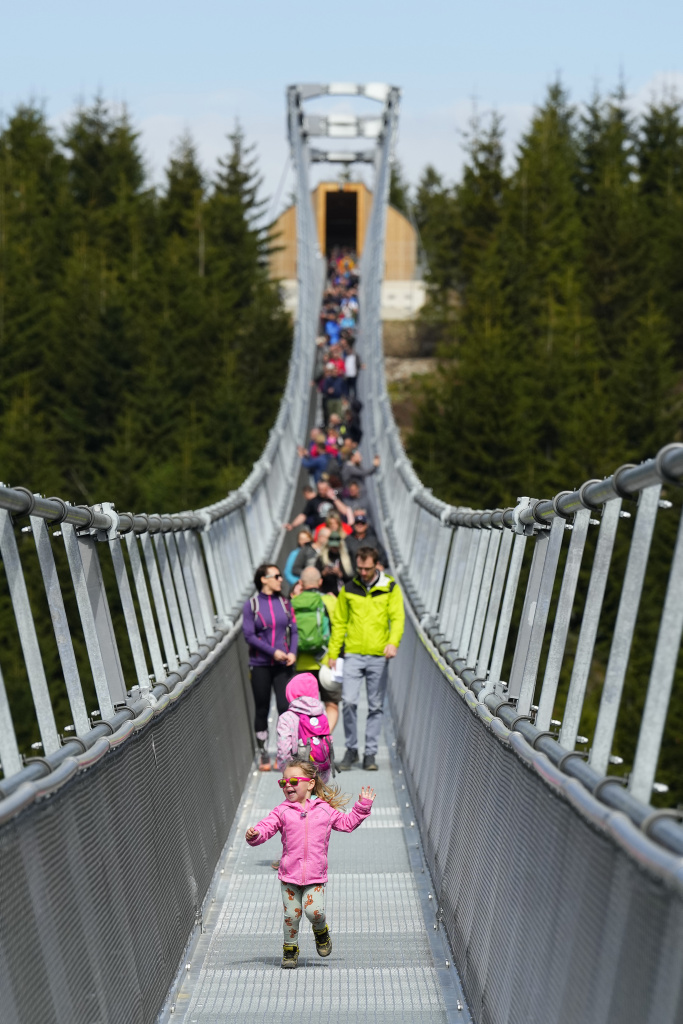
(549, 919)
(102, 884)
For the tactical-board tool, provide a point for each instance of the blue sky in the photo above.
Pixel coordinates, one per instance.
(199, 65)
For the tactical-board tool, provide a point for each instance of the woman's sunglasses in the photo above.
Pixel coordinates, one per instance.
(273, 576)
(293, 779)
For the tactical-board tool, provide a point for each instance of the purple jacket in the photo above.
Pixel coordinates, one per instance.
(306, 836)
(266, 631)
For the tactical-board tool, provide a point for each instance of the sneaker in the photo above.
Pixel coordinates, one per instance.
(369, 763)
(323, 942)
(290, 956)
(350, 757)
(264, 764)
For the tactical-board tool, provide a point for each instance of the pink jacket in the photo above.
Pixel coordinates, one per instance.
(306, 836)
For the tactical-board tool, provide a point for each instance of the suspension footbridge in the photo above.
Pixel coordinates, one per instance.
(507, 874)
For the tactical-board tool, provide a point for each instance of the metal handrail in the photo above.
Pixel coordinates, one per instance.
(181, 576)
(461, 569)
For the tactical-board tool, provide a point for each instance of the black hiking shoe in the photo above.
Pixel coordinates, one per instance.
(369, 763)
(290, 956)
(323, 942)
(350, 757)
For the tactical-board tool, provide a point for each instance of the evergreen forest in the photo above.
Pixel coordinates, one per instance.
(556, 293)
(142, 348)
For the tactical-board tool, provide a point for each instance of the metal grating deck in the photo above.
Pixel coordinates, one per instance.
(388, 963)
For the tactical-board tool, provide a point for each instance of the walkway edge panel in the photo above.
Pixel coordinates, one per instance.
(557, 907)
(108, 875)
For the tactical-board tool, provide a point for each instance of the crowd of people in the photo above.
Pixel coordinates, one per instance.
(335, 520)
(334, 619)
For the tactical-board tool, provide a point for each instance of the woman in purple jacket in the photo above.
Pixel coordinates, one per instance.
(270, 630)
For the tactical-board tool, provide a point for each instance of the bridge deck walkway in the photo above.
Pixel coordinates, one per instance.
(388, 962)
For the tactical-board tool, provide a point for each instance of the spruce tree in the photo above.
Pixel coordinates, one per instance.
(612, 216)
(399, 196)
(659, 148)
(479, 197)
(34, 239)
(435, 216)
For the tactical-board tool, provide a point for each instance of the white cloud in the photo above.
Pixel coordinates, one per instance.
(436, 136)
(665, 84)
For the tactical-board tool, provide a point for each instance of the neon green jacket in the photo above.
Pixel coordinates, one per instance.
(367, 620)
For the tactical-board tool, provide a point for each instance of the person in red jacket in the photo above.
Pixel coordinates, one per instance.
(305, 820)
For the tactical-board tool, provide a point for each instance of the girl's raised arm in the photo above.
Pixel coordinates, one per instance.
(348, 822)
(263, 830)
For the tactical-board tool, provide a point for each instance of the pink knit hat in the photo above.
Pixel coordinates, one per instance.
(302, 685)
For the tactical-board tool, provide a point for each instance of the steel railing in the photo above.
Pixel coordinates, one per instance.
(181, 578)
(550, 876)
(496, 590)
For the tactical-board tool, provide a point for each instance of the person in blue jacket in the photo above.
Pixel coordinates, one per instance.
(304, 537)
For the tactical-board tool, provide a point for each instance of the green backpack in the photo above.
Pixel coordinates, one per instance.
(312, 620)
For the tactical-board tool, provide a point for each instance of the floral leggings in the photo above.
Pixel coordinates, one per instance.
(310, 899)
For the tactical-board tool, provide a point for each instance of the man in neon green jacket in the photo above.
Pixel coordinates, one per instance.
(368, 620)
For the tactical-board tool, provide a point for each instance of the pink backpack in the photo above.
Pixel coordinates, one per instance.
(315, 741)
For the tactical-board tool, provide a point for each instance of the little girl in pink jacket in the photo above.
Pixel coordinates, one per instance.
(306, 826)
(303, 698)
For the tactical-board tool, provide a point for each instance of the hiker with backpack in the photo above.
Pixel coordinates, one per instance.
(270, 630)
(303, 730)
(305, 819)
(313, 612)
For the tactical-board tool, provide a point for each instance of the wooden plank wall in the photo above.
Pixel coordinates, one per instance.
(400, 242)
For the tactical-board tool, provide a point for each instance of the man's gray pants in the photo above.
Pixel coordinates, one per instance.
(375, 670)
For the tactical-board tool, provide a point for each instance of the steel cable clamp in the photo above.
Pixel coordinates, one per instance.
(61, 516)
(582, 495)
(31, 500)
(107, 508)
(556, 505)
(517, 525)
(617, 486)
(659, 462)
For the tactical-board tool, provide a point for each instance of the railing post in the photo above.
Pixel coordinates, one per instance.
(145, 606)
(464, 598)
(538, 617)
(27, 634)
(129, 615)
(453, 584)
(189, 624)
(159, 603)
(475, 590)
(171, 596)
(198, 570)
(506, 614)
(10, 758)
(563, 614)
(65, 647)
(198, 612)
(484, 596)
(494, 604)
(624, 627)
(98, 630)
(661, 680)
(589, 623)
